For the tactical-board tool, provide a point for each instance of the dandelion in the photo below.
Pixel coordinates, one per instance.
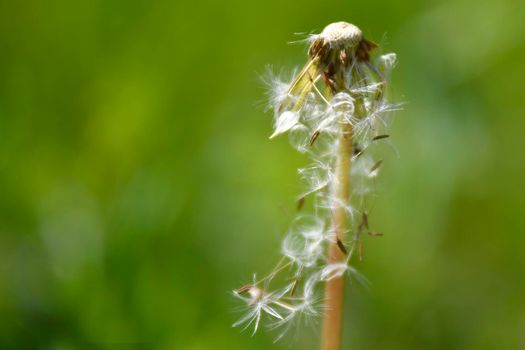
(335, 111)
(260, 302)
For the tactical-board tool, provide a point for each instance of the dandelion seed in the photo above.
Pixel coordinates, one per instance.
(367, 89)
(387, 63)
(294, 286)
(299, 136)
(332, 271)
(300, 203)
(317, 176)
(380, 137)
(364, 221)
(276, 87)
(373, 170)
(314, 137)
(357, 151)
(244, 289)
(375, 234)
(360, 251)
(285, 122)
(342, 247)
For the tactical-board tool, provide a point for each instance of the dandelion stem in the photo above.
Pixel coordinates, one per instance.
(334, 290)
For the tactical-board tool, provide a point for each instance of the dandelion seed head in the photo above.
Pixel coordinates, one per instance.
(334, 109)
(341, 35)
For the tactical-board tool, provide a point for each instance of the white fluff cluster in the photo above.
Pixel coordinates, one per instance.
(313, 119)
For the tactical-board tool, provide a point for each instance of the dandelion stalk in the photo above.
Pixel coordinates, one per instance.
(335, 287)
(334, 110)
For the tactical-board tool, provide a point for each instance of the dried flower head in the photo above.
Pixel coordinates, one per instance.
(335, 111)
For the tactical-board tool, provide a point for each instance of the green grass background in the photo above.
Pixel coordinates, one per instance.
(138, 185)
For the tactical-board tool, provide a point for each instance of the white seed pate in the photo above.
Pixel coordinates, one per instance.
(341, 34)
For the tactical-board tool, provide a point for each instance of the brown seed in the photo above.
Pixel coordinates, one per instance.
(244, 289)
(375, 234)
(357, 151)
(314, 137)
(364, 222)
(376, 166)
(294, 286)
(310, 77)
(380, 137)
(342, 247)
(300, 203)
(328, 80)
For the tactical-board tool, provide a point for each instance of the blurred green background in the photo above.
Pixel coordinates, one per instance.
(138, 185)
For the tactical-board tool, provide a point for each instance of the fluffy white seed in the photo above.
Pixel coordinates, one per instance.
(285, 121)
